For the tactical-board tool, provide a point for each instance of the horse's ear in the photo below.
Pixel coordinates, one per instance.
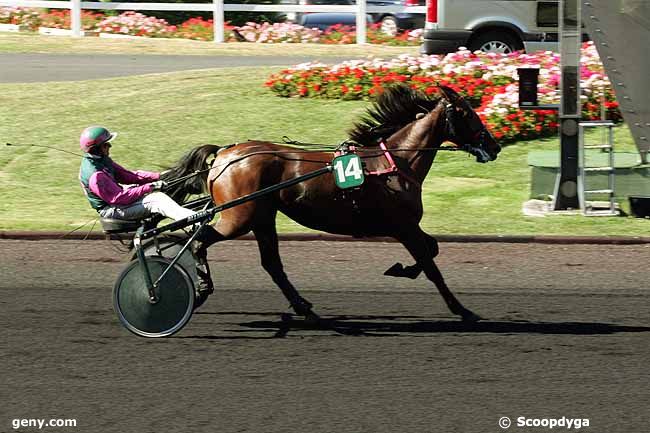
(449, 94)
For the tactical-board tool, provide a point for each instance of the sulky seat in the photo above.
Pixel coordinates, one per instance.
(114, 225)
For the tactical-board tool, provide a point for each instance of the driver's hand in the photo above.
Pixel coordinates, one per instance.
(158, 185)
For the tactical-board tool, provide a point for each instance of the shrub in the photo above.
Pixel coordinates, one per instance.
(29, 18)
(202, 30)
(136, 24)
(60, 19)
(278, 33)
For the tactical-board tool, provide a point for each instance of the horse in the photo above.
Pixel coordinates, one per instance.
(397, 139)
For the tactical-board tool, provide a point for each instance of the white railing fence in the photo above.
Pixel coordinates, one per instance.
(217, 7)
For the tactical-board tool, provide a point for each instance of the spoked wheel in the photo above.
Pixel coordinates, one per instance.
(170, 311)
(496, 42)
(389, 25)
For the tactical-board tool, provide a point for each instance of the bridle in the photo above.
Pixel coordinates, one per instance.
(480, 136)
(450, 111)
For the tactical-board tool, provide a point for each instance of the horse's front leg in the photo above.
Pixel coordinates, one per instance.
(413, 271)
(417, 244)
(267, 241)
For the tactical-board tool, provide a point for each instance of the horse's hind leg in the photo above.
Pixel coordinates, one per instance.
(416, 243)
(206, 237)
(267, 241)
(412, 272)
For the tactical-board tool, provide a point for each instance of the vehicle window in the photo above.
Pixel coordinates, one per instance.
(547, 13)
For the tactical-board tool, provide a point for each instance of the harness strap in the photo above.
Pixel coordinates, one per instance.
(393, 167)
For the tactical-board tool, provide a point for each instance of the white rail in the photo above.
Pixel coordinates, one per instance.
(217, 7)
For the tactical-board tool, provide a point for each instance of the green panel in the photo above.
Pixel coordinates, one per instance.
(627, 181)
(348, 171)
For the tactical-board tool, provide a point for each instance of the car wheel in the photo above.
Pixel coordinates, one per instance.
(496, 42)
(389, 25)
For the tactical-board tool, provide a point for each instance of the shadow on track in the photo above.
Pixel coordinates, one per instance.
(383, 326)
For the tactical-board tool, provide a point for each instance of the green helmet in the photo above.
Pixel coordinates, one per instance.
(94, 136)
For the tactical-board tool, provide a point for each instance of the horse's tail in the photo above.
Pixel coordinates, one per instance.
(194, 161)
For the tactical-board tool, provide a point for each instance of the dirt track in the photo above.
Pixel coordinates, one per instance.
(567, 333)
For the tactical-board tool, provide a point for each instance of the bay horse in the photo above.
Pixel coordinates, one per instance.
(397, 139)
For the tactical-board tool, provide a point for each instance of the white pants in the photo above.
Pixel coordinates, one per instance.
(154, 203)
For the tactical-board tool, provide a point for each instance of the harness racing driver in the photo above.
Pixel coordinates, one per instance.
(101, 179)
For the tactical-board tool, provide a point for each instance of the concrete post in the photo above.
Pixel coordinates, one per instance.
(218, 21)
(361, 21)
(75, 18)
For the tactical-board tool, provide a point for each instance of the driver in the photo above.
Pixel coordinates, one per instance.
(101, 180)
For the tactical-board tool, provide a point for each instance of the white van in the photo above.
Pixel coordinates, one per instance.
(493, 26)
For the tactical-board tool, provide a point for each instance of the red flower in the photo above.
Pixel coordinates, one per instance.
(430, 90)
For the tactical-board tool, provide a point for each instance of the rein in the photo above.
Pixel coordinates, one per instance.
(330, 148)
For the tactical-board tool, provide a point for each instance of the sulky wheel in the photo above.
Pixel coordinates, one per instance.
(173, 307)
(169, 246)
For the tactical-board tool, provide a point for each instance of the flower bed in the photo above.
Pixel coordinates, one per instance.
(60, 19)
(136, 24)
(28, 18)
(488, 81)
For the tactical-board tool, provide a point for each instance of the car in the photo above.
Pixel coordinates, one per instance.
(324, 20)
(490, 26)
(390, 23)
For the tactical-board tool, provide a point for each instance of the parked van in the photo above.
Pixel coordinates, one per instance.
(492, 26)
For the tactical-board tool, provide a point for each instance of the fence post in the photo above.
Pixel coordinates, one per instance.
(217, 21)
(361, 21)
(75, 18)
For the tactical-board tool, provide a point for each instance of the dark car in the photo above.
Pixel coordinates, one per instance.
(391, 23)
(324, 20)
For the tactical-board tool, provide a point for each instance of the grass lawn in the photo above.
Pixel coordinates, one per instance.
(160, 117)
(33, 43)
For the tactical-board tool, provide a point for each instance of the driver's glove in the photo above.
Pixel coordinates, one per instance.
(158, 185)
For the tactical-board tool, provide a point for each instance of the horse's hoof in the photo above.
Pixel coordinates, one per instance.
(302, 307)
(470, 317)
(312, 318)
(398, 270)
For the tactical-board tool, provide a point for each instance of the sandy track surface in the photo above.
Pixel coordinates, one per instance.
(567, 333)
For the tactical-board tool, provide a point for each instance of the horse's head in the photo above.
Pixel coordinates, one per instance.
(465, 129)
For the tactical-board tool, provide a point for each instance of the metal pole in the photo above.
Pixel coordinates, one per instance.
(218, 21)
(361, 22)
(75, 18)
(566, 188)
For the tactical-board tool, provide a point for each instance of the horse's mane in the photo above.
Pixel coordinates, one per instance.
(395, 108)
(194, 160)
